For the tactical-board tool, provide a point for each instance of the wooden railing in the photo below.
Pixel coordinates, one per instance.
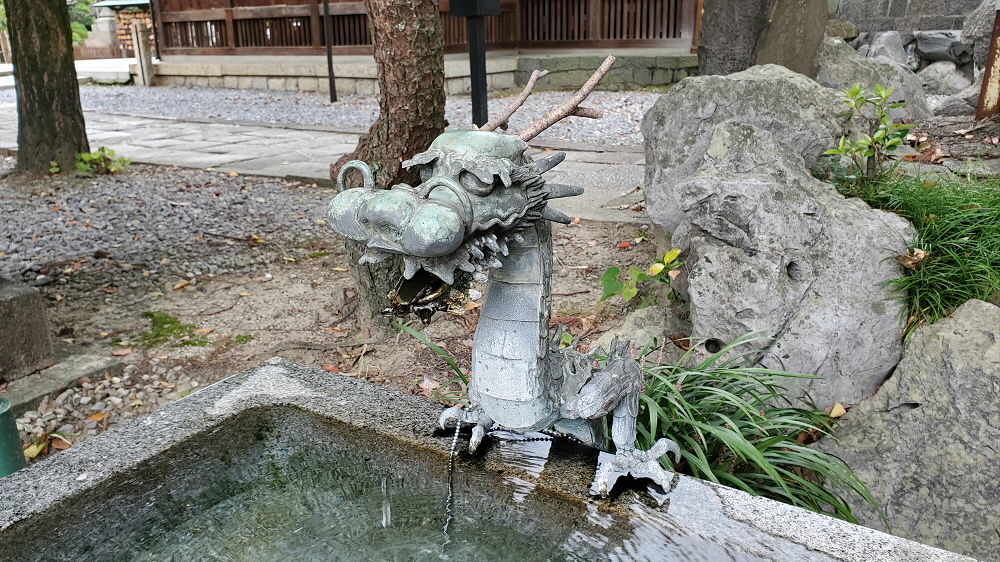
(296, 26)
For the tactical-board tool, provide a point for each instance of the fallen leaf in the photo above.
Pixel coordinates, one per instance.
(98, 417)
(341, 269)
(264, 278)
(34, 450)
(111, 289)
(234, 174)
(673, 273)
(180, 285)
(471, 305)
(61, 444)
(122, 352)
(577, 220)
(913, 258)
(428, 386)
(682, 341)
(625, 245)
(838, 410)
(205, 330)
(330, 367)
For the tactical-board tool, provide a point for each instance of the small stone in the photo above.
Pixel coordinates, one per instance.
(85, 400)
(87, 386)
(66, 428)
(64, 396)
(116, 380)
(81, 477)
(98, 406)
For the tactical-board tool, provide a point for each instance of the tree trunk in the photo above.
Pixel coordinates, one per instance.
(729, 34)
(409, 54)
(49, 117)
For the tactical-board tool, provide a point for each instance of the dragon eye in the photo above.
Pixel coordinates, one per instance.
(475, 185)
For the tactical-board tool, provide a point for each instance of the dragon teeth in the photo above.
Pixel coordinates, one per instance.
(410, 267)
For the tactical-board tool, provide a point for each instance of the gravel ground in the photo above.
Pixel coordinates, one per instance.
(89, 407)
(121, 228)
(623, 111)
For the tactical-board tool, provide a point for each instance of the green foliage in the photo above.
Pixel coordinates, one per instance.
(871, 154)
(956, 256)
(165, 328)
(54, 167)
(735, 427)
(243, 338)
(103, 161)
(81, 17)
(627, 286)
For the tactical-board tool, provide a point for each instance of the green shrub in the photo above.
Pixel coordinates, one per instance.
(103, 161)
(870, 154)
(627, 286)
(734, 426)
(956, 256)
(166, 328)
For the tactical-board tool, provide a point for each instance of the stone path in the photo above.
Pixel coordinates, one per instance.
(610, 175)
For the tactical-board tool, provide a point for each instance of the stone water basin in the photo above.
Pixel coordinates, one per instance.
(285, 462)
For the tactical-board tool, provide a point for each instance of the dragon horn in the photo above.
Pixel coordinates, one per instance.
(546, 164)
(557, 190)
(553, 215)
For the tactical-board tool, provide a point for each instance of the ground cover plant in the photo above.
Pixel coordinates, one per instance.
(956, 256)
(734, 426)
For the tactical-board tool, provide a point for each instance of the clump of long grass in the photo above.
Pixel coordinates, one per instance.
(958, 226)
(736, 427)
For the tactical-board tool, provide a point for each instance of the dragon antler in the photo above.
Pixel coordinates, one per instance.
(570, 108)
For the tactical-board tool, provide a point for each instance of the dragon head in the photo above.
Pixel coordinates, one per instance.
(477, 190)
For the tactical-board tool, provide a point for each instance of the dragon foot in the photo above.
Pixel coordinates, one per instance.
(640, 464)
(456, 415)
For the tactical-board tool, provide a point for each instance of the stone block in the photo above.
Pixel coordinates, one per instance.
(201, 81)
(24, 331)
(347, 86)
(661, 76)
(245, 82)
(366, 87)
(642, 76)
(215, 82)
(503, 80)
(231, 81)
(259, 83)
(276, 83)
(308, 84)
(680, 74)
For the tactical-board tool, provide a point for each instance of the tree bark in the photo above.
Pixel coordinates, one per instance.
(409, 55)
(50, 123)
(729, 34)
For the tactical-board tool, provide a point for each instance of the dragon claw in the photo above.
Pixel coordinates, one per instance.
(456, 416)
(639, 464)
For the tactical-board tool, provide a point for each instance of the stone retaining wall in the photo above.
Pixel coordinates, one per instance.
(906, 15)
(503, 73)
(629, 72)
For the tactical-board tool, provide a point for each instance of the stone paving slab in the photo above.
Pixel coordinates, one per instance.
(610, 175)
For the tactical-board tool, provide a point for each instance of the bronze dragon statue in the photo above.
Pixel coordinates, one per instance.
(482, 208)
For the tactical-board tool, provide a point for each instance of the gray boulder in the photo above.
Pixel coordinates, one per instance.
(770, 249)
(642, 325)
(888, 44)
(927, 442)
(796, 109)
(943, 46)
(844, 29)
(971, 93)
(943, 78)
(950, 106)
(978, 30)
(840, 66)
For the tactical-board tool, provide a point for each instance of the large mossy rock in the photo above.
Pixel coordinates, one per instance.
(839, 66)
(927, 443)
(794, 108)
(772, 250)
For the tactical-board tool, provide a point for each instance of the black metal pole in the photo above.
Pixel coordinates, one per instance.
(477, 69)
(328, 38)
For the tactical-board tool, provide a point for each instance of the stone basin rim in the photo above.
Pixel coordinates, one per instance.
(411, 420)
